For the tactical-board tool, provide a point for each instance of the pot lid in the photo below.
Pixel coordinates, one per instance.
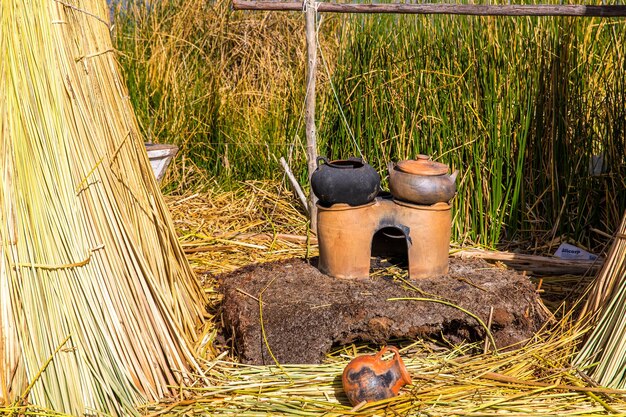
(423, 165)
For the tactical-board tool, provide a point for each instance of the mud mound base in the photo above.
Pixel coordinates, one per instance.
(305, 312)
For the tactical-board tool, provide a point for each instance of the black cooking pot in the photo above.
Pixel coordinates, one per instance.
(350, 181)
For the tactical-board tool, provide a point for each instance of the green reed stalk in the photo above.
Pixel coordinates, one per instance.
(518, 104)
(508, 101)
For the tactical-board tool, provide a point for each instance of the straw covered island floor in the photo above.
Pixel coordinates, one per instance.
(305, 312)
(222, 231)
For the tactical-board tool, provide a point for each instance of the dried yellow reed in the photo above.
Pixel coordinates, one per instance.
(87, 247)
(604, 351)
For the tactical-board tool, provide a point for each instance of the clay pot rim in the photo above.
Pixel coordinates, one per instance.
(347, 163)
(344, 206)
(400, 235)
(439, 206)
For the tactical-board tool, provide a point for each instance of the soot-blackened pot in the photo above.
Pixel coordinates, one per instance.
(370, 378)
(350, 181)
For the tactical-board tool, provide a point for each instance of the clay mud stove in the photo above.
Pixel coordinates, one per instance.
(308, 307)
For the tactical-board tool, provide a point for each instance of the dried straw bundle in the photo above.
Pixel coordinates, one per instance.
(610, 276)
(99, 306)
(605, 349)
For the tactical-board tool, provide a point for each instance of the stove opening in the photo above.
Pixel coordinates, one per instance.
(390, 244)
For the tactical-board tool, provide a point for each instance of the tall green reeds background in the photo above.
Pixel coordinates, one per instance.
(518, 104)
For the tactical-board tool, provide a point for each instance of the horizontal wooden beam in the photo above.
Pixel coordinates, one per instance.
(441, 8)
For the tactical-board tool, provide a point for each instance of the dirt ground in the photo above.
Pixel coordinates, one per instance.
(306, 313)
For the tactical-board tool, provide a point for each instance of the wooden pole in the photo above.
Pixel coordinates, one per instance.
(441, 8)
(294, 183)
(311, 140)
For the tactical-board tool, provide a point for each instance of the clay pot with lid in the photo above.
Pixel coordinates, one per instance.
(350, 181)
(370, 378)
(421, 181)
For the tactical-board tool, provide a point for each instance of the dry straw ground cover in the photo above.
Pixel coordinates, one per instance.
(259, 222)
(255, 222)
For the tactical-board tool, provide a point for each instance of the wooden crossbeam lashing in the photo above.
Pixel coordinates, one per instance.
(443, 8)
